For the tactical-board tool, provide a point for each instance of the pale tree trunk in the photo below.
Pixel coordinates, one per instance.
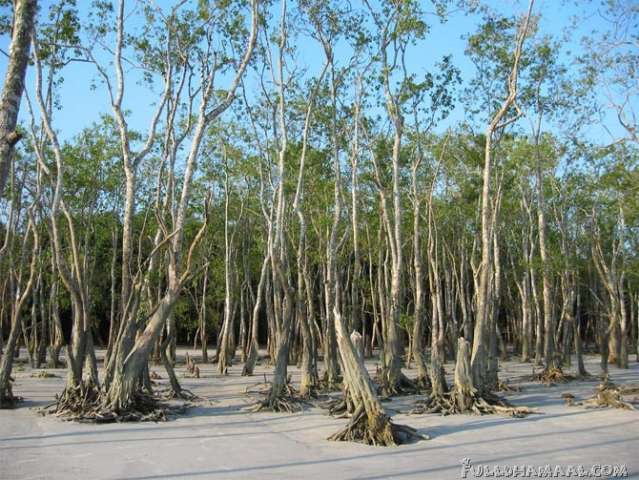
(369, 423)
(57, 339)
(72, 271)
(612, 273)
(356, 297)
(332, 297)
(437, 378)
(568, 293)
(481, 338)
(42, 346)
(418, 327)
(539, 324)
(549, 321)
(331, 369)
(394, 350)
(24, 17)
(127, 329)
(227, 349)
(635, 302)
(634, 314)
(392, 377)
(581, 369)
(525, 293)
(495, 333)
(622, 361)
(282, 292)
(7, 398)
(251, 358)
(112, 311)
(367, 408)
(466, 304)
(243, 328)
(309, 377)
(121, 393)
(204, 334)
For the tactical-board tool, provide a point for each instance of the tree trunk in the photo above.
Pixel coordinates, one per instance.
(204, 334)
(481, 339)
(369, 424)
(251, 358)
(23, 25)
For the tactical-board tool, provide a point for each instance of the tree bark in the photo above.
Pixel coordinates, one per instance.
(481, 337)
(23, 25)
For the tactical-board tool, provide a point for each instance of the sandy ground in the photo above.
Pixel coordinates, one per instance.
(217, 440)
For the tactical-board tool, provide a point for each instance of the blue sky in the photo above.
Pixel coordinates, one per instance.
(81, 105)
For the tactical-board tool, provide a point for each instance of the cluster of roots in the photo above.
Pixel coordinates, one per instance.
(325, 385)
(458, 402)
(376, 431)
(288, 401)
(552, 376)
(84, 403)
(340, 407)
(402, 386)
(607, 395)
(181, 394)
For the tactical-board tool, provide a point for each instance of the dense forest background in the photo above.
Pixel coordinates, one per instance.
(266, 174)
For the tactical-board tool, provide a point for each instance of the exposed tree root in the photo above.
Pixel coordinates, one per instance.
(378, 431)
(423, 383)
(402, 386)
(454, 403)
(464, 397)
(44, 374)
(552, 376)
(182, 394)
(312, 392)
(84, 404)
(10, 401)
(288, 401)
(340, 407)
(326, 386)
(433, 404)
(607, 395)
